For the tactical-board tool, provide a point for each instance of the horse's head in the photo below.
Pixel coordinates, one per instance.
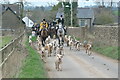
(60, 25)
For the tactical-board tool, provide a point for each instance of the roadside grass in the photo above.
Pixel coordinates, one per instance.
(34, 38)
(73, 37)
(5, 40)
(77, 38)
(33, 67)
(111, 52)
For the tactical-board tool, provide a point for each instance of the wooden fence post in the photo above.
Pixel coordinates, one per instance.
(1, 41)
(0, 65)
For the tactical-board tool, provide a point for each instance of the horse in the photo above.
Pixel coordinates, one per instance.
(60, 34)
(37, 29)
(52, 30)
(43, 35)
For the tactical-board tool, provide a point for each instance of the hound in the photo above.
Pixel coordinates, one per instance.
(71, 44)
(58, 62)
(49, 48)
(30, 41)
(33, 33)
(54, 47)
(78, 45)
(66, 40)
(43, 54)
(48, 39)
(39, 43)
(54, 36)
(60, 50)
(88, 48)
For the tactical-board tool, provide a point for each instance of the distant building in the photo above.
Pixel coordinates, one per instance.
(85, 17)
(28, 21)
(10, 20)
(14, 7)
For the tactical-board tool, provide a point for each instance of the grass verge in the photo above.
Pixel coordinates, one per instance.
(73, 37)
(33, 67)
(111, 52)
(34, 38)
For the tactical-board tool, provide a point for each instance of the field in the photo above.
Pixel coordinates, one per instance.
(5, 40)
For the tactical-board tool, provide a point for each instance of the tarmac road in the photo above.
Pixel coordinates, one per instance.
(77, 64)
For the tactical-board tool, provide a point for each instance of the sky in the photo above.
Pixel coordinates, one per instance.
(81, 3)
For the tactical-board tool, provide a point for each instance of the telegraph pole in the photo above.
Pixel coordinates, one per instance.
(71, 13)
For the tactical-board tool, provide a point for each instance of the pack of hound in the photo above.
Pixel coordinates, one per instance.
(72, 43)
(52, 48)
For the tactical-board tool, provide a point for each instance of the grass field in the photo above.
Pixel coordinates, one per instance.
(5, 40)
(33, 67)
(112, 52)
(115, 13)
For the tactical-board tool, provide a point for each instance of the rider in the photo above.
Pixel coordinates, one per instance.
(60, 28)
(61, 20)
(43, 25)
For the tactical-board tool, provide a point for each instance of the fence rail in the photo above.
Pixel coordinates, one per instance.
(9, 47)
(8, 50)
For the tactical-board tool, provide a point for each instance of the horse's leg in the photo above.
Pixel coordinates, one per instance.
(42, 42)
(86, 50)
(60, 65)
(70, 47)
(44, 59)
(63, 39)
(90, 52)
(50, 52)
(38, 46)
(59, 40)
(67, 43)
(56, 65)
(54, 52)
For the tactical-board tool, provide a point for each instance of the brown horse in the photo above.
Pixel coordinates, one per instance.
(44, 35)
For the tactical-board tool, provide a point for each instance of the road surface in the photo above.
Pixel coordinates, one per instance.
(77, 64)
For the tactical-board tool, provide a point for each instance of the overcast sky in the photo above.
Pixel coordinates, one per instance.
(81, 3)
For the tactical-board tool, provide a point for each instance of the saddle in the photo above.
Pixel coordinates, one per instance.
(44, 32)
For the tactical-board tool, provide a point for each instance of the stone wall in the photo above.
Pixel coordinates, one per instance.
(102, 35)
(106, 35)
